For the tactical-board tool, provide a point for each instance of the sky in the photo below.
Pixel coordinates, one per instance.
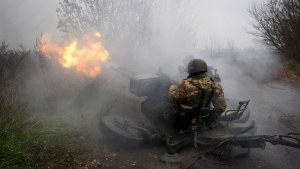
(222, 22)
(226, 21)
(22, 21)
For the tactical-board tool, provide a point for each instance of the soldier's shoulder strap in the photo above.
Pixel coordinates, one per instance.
(206, 95)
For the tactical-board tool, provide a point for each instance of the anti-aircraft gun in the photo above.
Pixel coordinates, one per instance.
(234, 131)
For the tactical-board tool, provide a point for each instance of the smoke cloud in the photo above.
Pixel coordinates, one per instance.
(213, 30)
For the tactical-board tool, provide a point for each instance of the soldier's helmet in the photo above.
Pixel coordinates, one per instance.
(196, 66)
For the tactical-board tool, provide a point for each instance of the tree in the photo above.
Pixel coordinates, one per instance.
(277, 23)
(121, 22)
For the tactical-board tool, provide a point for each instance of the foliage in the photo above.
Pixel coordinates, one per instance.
(10, 64)
(294, 66)
(27, 142)
(122, 22)
(277, 23)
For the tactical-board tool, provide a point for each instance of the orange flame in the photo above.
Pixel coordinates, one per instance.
(84, 54)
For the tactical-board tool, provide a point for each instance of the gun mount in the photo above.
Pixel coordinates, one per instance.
(156, 85)
(234, 130)
(150, 85)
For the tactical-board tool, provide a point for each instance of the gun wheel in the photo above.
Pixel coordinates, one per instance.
(132, 130)
(171, 158)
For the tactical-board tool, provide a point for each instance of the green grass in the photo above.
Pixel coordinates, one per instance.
(38, 140)
(293, 66)
(32, 143)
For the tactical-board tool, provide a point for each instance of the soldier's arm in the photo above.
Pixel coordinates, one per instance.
(176, 93)
(218, 100)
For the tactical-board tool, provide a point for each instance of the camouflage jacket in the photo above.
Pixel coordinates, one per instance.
(198, 92)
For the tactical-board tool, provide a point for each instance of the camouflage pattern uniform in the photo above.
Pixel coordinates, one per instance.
(196, 93)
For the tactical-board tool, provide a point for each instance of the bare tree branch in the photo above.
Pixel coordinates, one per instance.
(277, 23)
(120, 22)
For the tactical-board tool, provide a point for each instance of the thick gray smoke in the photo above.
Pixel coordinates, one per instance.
(212, 30)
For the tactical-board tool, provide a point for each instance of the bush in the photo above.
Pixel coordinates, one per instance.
(277, 23)
(27, 142)
(293, 66)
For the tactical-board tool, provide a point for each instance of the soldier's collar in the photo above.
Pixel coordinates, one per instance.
(197, 75)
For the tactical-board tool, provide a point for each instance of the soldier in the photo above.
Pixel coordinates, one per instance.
(194, 96)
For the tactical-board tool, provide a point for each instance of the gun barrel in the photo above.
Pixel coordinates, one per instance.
(258, 141)
(288, 140)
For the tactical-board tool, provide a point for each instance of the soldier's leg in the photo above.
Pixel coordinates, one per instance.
(211, 120)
